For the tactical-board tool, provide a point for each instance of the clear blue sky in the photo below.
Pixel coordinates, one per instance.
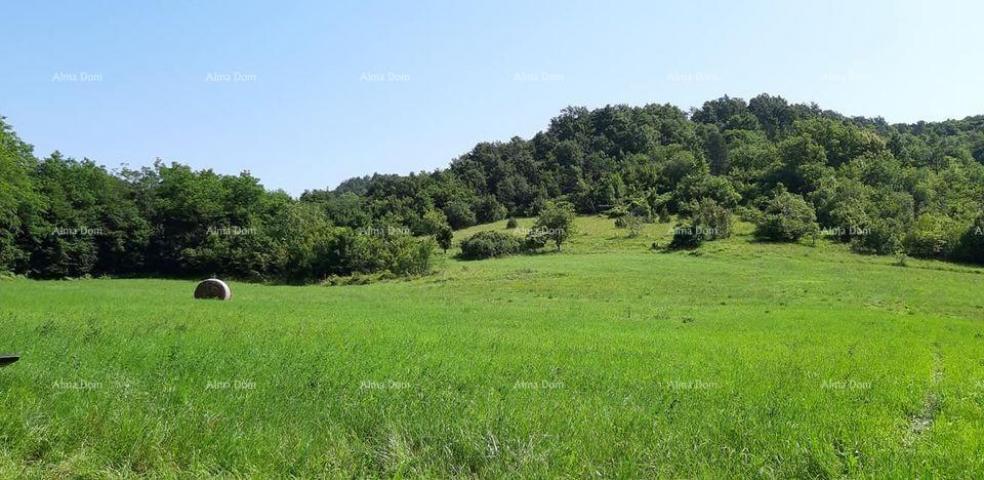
(305, 95)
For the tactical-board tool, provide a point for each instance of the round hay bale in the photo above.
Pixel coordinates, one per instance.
(213, 288)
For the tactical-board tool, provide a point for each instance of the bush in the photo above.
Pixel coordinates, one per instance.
(459, 215)
(432, 222)
(511, 223)
(489, 245)
(664, 215)
(618, 211)
(696, 188)
(488, 209)
(933, 236)
(535, 240)
(444, 236)
(710, 221)
(556, 221)
(713, 220)
(749, 214)
(640, 209)
(787, 218)
(882, 237)
(684, 237)
(405, 255)
(971, 248)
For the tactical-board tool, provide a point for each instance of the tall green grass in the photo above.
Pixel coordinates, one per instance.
(605, 360)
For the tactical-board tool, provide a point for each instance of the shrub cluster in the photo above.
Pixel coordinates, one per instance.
(490, 244)
(555, 224)
(786, 218)
(709, 221)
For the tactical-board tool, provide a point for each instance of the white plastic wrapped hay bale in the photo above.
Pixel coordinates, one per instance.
(213, 288)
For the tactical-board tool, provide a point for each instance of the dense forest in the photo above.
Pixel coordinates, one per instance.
(795, 170)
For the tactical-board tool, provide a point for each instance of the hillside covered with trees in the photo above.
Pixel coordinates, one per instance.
(795, 170)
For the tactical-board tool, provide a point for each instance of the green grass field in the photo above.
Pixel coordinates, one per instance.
(605, 360)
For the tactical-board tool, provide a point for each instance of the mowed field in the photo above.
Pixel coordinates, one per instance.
(606, 360)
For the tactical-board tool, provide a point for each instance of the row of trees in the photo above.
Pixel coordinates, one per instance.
(883, 188)
(65, 218)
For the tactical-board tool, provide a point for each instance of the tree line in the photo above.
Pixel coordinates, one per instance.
(793, 169)
(65, 218)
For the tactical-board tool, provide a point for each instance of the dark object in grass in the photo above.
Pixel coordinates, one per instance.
(213, 288)
(8, 359)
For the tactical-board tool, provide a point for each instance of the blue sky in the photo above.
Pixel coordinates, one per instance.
(306, 94)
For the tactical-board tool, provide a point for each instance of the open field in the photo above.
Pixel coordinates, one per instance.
(605, 360)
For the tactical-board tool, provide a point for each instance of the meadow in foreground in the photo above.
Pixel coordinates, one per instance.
(605, 360)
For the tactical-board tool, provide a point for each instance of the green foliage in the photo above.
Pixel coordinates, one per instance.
(933, 236)
(712, 220)
(460, 215)
(444, 236)
(709, 221)
(716, 149)
(489, 244)
(555, 223)
(20, 202)
(488, 210)
(971, 247)
(512, 223)
(841, 141)
(89, 224)
(685, 237)
(883, 236)
(844, 208)
(535, 240)
(786, 218)
(432, 223)
(174, 221)
(869, 181)
(692, 189)
(804, 164)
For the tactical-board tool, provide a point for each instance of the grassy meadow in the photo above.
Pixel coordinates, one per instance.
(606, 360)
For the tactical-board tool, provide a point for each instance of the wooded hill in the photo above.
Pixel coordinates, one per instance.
(915, 189)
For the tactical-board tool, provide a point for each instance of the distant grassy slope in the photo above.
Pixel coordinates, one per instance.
(606, 360)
